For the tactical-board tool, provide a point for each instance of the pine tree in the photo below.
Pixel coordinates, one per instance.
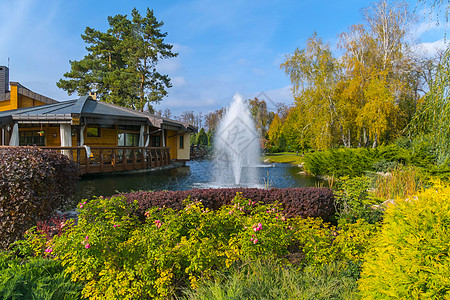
(120, 66)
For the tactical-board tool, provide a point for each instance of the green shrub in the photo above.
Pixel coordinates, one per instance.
(355, 162)
(33, 183)
(119, 258)
(271, 280)
(35, 279)
(353, 201)
(321, 243)
(339, 162)
(410, 258)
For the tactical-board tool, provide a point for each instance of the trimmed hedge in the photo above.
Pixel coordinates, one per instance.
(33, 183)
(304, 202)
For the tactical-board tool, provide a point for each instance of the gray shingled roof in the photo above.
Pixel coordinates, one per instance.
(89, 109)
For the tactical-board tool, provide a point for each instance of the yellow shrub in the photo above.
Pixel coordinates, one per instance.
(410, 258)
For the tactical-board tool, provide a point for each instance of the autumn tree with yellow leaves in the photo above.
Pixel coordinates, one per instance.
(364, 98)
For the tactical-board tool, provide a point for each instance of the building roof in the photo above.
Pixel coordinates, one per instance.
(88, 111)
(33, 95)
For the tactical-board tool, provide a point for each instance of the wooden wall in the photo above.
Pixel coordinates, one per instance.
(108, 138)
(18, 101)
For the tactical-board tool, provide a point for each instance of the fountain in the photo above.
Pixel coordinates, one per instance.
(236, 147)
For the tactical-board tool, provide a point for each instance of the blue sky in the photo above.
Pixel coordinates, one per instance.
(224, 46)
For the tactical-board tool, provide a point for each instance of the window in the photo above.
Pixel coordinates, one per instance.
(93, 131)
(156, 141)
(181, 141)
(31, 138)
(127, 139)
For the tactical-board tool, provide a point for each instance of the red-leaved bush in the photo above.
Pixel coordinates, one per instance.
(33, 183)
(304, 202)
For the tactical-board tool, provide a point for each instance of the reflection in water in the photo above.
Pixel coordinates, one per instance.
(196, 174)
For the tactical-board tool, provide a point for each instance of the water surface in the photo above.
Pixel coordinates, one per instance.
(196, 174)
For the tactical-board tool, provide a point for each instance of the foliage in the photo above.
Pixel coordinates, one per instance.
(410, 258)
(200, 138)
(364, 98)
(36, 278)
(261, 116)
(401, 182)
(269, 280)
(431, 120)
(356, 161)
(322, 243)
(354, 202)
(120, 66)
(304, 202)
(33, 184)
(119, 258)
(340, 162)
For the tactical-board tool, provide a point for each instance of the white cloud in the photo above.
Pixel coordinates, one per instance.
(430, 49)
(178, 82)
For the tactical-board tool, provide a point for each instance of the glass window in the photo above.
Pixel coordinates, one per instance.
(93, 131)
(156, 141)
(31, 138)
(127, 139)
(181, 141)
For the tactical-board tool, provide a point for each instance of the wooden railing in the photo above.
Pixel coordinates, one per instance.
(113, 159)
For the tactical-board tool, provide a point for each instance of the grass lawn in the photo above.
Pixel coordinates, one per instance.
(284, 157)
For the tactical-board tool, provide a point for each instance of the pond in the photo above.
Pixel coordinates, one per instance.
(196, 174)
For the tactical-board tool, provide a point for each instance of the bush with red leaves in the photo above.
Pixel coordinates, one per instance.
(33, 183)
(304, 202)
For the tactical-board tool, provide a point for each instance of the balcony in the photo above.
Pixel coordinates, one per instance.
(115, 159)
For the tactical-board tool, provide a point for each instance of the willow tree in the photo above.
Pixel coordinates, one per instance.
(120, 66)
(314, 74)
(432, 120)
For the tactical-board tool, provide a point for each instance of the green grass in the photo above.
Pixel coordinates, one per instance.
(269, 280)
(285, 157)
(37, 278)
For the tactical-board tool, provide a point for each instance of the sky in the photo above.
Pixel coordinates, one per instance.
(225, 47)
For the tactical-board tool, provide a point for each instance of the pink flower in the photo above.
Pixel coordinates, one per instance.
(81, 206)
(48, 250)
(87, 246)
(84, 202)
(158, 223)
(255, 241)
(115, 225)
(251, 239)
(230, 212)
(87, 237)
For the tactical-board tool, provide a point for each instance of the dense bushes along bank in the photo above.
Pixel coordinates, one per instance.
(113, 254)
(303, 202)
(33, 183)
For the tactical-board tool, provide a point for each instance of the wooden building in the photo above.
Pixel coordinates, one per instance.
(101, 137)
(13, 95)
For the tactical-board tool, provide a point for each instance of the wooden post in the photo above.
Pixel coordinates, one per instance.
(134, 158)
(101, 160)
(113, 159)
(142, 158)
(87, 161)
(124, 159)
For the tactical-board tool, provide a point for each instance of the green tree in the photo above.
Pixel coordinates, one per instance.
(261, 116)
(314, 74)
(120, 66)
(432, 118)
(202, 137)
